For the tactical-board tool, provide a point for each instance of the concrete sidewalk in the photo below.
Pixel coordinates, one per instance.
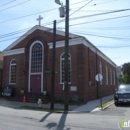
(88, 107)
(92, 105)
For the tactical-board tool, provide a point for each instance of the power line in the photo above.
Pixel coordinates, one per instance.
(100, 20)
(104, 2)
(19, 36)
(15, 5)
(59, 22)
(112, 37)
(79, 2)
(21, 31)
(7, 3)
(81, 7)
(93, 15)
(74, 9)
(35, 13)
(79, 18)
(113, 46)
(116, 11)
(27, 15)
(105, 28)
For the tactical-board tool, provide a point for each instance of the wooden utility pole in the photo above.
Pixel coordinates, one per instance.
(66, 107)
(53, 67)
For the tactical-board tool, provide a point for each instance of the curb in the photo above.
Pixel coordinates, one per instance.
(108, 105)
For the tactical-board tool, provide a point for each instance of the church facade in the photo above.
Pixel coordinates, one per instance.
(28, 61)
(1, 71)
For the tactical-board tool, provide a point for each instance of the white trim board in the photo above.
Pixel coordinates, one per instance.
(84, 41)
(14, 52)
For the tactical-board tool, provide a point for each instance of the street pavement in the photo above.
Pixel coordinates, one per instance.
(88, 107)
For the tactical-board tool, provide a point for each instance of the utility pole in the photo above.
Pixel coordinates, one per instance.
(66, 47)
(53, 67)
(66, 106)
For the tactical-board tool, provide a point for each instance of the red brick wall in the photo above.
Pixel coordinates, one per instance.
(84, 67)
(20, 79)
(81, 59)
(1, 72)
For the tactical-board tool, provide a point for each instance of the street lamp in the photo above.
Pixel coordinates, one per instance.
(61, 9)
(62, 13)
(58, 2)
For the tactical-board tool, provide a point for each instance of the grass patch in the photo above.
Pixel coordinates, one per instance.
(106, 103)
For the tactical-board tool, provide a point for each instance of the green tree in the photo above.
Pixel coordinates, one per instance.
(125, 77)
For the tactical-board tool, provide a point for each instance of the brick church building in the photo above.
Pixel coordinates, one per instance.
(28, 59)
(1, 71)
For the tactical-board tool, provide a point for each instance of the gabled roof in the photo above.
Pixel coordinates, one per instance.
(62, 33)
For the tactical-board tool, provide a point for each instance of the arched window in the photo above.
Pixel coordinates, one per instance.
(114, 77)
(106, 75)
(92, 76)
(62, 67)
(110, 76)
(12, 77)
(36, 58)
(100, 69)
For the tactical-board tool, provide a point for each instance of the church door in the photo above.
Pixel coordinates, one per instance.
(36, 68)
(35, 83)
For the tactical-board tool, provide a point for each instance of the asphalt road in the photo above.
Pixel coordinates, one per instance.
(20, 119)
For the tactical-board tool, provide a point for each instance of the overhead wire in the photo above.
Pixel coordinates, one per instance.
(81, 7)
(104, 2)
(100, 20)
(113, 46)
(90, 16)
(116, 11)
(97, 14)
(106, 28)
(74, 12)
(21, 31)
(34, 14)
(15, 5)
(19, 36)
(112, 37)
(7, 3)
(106, 12)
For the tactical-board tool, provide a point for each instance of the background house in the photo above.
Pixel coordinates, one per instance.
(27, 59)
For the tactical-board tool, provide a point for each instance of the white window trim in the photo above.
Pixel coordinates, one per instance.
(113, 77)
(110, 76)
(61, 68)
(30, 54)
(100, 68)
(10, 72)
(106, 75)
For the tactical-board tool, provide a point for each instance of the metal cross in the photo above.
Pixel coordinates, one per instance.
(39, 19)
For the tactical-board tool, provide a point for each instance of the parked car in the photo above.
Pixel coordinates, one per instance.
(122, 94)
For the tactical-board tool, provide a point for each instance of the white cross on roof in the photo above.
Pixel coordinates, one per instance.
(39, 19)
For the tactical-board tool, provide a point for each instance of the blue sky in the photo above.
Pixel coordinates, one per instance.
(109, 32)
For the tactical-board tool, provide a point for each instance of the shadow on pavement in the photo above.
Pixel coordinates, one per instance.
(60, 125)
(45, 116)
(62, 121)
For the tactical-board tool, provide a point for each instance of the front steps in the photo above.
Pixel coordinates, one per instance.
(31, 97)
